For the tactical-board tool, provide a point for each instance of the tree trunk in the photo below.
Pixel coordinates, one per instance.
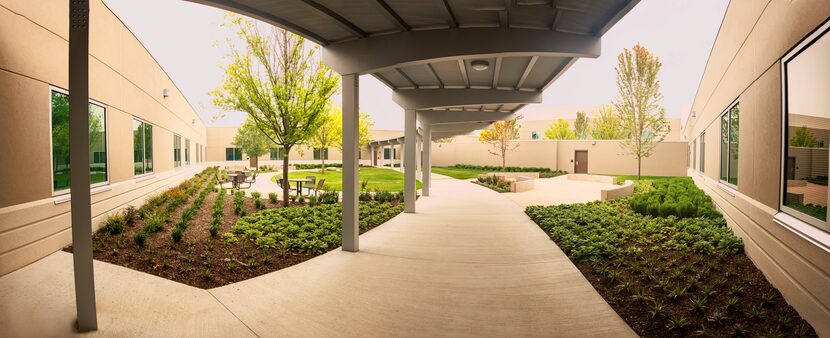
(254, 162)
(285, 179)
(323, 161)
(639, 166)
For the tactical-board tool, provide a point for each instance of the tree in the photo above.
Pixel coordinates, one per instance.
(638, 104)
(325, 135)
(500, 137)
(280, 82)
(803, 138)
(364, 123)
(581, 126)
(560, 130)
(251, 141)
(606, 124)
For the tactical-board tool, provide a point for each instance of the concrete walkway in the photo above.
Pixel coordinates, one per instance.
(469, 263)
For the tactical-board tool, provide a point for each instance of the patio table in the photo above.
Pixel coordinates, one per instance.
(236, 179)
(299, 182)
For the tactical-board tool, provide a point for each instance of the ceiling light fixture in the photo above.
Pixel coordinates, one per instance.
(480, 65)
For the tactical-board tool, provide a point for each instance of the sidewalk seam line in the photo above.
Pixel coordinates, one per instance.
(231, 312)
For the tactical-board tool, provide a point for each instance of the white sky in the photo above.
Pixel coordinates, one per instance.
(187, 40)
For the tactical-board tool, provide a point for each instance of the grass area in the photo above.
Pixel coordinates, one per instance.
(621, 178)
(461, 174)
(379, 179)
(199, 235)
(670, 276)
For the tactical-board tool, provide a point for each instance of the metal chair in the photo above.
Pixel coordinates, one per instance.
(250, 180)
(319, 186)
(219, 179)
(310, 183)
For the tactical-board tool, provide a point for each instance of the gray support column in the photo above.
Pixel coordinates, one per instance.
(410, 133)
(79, 159)
(426, 172)
(351, 83)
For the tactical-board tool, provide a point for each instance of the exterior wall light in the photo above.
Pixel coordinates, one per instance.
(165, 92)
(480, 65)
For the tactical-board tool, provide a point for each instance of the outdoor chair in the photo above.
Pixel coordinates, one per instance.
(250, 180)
(310, 183)
(282, 183)
(221, 181)
(319, 186)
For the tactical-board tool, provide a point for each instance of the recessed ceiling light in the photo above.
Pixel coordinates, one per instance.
(480, 65)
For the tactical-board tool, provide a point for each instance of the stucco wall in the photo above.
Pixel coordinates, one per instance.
(604, 156)
(745, 65)
(124, 78)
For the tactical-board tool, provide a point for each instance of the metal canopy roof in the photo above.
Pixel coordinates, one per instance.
(424, 50)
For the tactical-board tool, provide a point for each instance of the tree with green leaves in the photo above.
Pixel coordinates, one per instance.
(803, 138)
(364, 123)
(280, 81)
(326, 135)
(638, 104)
(606, 124)
(581, 126)
(252, 141)
(560, 130)
(500, 138)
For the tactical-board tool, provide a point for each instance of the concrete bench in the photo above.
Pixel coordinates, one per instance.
(621, 191)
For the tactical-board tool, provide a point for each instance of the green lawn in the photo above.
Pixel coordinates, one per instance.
(621, 178)
(461, 174)
(379, 178)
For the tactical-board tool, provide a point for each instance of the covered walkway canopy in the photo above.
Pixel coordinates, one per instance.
(482, 59)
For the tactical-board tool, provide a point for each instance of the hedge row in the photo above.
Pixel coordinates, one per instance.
(674, 197)
(496, 168)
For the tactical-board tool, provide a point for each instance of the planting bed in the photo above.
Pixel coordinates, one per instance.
(670, 276)
(189, 233)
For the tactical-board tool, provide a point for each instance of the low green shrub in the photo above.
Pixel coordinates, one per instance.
(499, 169)
(329, 197)
(272, 196)
(494, 182)
(258, 203)
(115, 223)
(307, 229)
(673, 197)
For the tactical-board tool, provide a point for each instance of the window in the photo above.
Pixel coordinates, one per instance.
(534, 135)
(388, 153)
(60, 142)
(233, 154)
(186, 152)
(806, 82)
(319, 151)
(694, 153)
(277, 154)
(177, 150)
(142, 147)
(729, 145)
(702, 163)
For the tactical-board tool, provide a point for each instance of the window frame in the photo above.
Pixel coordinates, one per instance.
(727, 112)
(234, 152)
(702, 146)
(186, 151)
(144, 137)
(51, 144)
(808, 40)
(177, 152)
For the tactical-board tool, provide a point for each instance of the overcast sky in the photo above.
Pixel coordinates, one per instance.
(187, 40)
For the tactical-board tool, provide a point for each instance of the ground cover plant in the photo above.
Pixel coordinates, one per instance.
(678, 197)
(669, 276)
(493, 182)
(377, 179)
(184, 234)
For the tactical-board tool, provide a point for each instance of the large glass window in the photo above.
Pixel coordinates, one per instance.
(177, 151)
(142, 147)
(321, 153)
(729, 125)
(807, 117)
(233, 154)
(694, 154)
(534, 135)
(186, 151)
(702, 163)
(277, 154)
(60, 142)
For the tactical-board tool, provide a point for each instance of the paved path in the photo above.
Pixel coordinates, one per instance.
(469, 263)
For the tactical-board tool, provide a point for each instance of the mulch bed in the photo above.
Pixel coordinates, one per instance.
(715, 279)
(198, 259)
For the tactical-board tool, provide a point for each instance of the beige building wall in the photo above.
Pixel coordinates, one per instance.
(124, 78)
(604, 156)
(745, 65)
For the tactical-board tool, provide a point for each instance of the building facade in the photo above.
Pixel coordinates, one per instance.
(144, 135)
(758, 142)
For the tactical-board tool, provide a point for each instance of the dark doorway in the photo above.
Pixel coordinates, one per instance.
(790, 168)
(581, 162)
